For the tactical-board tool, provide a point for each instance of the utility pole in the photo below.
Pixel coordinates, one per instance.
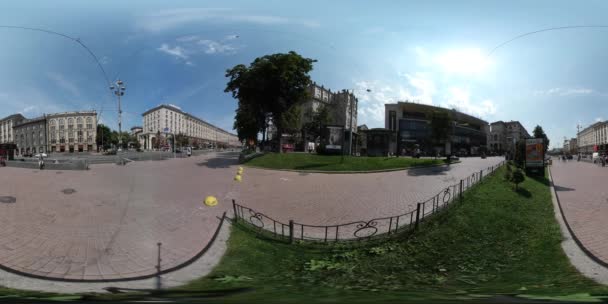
(119, 90)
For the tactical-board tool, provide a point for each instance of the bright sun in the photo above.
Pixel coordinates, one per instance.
(463, 61)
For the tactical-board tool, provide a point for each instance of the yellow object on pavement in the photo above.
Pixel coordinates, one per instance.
(210, 201)
(238, 178)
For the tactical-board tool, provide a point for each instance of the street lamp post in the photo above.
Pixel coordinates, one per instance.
(119, 90)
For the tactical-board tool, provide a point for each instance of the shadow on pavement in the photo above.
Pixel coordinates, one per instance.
(560, 188)
(442, 170)
(219, 162)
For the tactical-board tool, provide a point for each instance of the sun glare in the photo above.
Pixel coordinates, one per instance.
(468, 61)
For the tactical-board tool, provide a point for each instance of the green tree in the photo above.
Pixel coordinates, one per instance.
(290, 120)
(248, 121)
(272, 83)
(517, 177)
(317, 120)
(540, 133)
(520, 153)
(104, 137)
(182, 140)
(440, 126)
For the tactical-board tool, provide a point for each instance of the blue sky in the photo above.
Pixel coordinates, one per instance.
(432, 52)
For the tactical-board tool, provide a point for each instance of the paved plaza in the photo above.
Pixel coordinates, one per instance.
(583, 196)
(104, 223)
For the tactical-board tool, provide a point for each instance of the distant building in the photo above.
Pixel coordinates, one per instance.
(169, 119)
(573, 146)
(72, 131)
(593, 138)
(6, 128)
(30, 136)
(137, 132)
(410, 124)
(503, 136)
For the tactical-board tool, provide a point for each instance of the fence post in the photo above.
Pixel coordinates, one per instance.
(460, 193)
(290, 231)
(236, 217)
(480, 174)
(417, 216)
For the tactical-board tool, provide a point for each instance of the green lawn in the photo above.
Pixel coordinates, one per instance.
(497, 241)
(305, 161)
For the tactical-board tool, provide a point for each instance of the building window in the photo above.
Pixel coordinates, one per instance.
(89, 123)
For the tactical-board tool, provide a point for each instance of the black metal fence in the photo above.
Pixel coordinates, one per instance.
(359, 230)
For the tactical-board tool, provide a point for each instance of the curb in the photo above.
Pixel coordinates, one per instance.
(578, 242)
(138, 278)
(352, 172)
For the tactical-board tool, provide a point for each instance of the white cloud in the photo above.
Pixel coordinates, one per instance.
(213, 47)
(564, 91)
(176, 51)
(460, 99)
(599, 119)
(64, 83)
(104, 60)
(171, 18)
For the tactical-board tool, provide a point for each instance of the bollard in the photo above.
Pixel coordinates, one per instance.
(417, 216)
(480, 174)
(158, 283)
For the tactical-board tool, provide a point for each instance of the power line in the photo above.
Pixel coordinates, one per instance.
(76, 40)
(544, 30)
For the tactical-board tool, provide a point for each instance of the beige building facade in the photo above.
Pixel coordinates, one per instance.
(6, 128)
(165, 120)
(72, 131)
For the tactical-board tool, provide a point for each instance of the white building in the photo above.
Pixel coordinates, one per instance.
(593, 138)
(6, 128)
(169, 119)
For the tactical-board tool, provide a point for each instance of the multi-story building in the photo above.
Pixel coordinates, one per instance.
(503, 136)
(30, 136)
(573, 146)
(593, 138)
(169, 119)
(6, 127)
(72, 131)
(411, 124)
(137, 132)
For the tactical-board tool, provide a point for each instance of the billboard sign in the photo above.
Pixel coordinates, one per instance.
(534, 153)
(335, 137)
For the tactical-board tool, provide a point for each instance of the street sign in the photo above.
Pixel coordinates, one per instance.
(534, 153)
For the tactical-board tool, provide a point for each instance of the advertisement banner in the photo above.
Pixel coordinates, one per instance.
(534, 153)
(334, 138)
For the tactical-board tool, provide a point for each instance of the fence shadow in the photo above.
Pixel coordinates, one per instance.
(523, 192)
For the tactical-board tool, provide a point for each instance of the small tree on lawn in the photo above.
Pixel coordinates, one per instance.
(508, 173)
(518, 177)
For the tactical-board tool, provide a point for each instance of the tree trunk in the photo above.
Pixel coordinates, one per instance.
(280, 135)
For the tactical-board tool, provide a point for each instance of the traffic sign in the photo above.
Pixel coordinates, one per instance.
(166, 130)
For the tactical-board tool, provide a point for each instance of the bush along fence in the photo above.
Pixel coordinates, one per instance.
(359, 230)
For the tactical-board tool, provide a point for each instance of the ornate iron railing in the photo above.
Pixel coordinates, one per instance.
(364, 229)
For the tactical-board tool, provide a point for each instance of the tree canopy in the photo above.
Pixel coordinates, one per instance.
(540, 133)
(271, 84)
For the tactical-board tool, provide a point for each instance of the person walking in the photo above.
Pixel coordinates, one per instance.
(40, 161)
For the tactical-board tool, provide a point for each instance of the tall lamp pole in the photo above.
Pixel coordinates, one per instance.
(119, 90)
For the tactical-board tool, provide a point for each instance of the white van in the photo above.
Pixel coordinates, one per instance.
(595, 157)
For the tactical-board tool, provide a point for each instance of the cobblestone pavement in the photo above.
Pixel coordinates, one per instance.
(583, 195)
(327, 199)
(104, 223)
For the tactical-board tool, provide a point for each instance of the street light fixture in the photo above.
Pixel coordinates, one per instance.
(119, 90)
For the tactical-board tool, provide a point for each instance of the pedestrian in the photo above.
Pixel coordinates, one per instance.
(40, 161)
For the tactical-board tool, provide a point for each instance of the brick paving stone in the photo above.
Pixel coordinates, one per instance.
(110, 226)
(583, 195)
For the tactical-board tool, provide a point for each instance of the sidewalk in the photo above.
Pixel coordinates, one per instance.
(582, 195)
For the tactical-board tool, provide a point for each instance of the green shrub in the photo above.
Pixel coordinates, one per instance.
(518, 177)
(508, 172)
